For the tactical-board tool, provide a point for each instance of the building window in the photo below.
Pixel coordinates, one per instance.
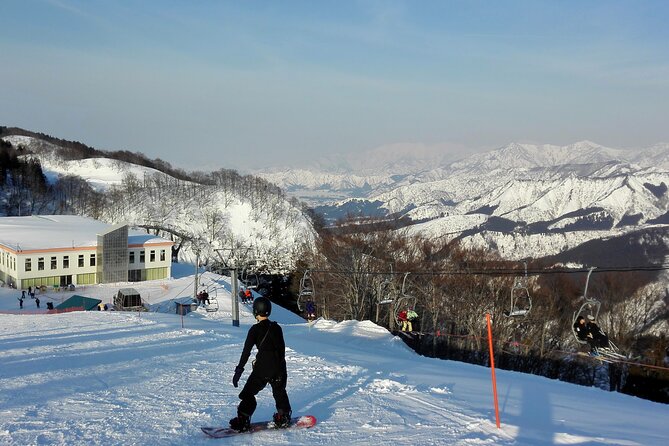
(40, 264)
(152, 256)
(162, 255)
(29, 265)
(54, 263)
(132, 257)
(92, 262)
(66, 262)
(142, 258)
(135, 275)
(81, 260)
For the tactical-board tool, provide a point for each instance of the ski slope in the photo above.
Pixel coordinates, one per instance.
(115, 378)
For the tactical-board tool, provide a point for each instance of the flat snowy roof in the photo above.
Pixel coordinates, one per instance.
(61, 231)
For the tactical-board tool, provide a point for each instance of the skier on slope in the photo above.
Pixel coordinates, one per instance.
(269, 367)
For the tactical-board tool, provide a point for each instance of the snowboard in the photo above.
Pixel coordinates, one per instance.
(304, 421)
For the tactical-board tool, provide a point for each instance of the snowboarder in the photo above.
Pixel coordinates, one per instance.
(20, 302)
(37, 301)
(269, 367)
(248, 297)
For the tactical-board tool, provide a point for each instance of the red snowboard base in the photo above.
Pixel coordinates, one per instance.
(304, 421)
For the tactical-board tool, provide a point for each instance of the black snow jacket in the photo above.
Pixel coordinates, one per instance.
(270, 360)
(581, 331)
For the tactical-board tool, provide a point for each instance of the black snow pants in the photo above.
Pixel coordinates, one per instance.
(255, 384)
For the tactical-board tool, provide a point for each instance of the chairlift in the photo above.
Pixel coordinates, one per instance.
(212, 306)
(590, 306)
(249, 278)
(385, 292)
(403, 301)
(384, 295)
(521, 302)
(307, 291)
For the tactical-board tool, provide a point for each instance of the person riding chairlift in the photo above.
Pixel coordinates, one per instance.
(589, 331)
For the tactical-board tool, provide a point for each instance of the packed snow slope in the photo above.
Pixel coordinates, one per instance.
(116, 378)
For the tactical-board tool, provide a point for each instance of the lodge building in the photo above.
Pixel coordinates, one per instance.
(59, 250)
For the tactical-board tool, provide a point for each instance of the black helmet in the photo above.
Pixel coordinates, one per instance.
(262, 306)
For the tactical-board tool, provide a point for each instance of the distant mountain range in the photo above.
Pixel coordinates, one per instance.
(521, 200)
(525, 200)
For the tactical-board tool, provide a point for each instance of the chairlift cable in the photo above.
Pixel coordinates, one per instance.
(501, 272)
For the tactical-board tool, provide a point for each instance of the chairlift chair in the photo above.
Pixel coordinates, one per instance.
(306, 291)
(521, 302)
(385, 292)
(250, 279)
(404, 300)
(589, 306)
(384, 295)
(212, 306)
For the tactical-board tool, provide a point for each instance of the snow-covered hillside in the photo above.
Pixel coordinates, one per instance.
(215, 217)
(115, 378)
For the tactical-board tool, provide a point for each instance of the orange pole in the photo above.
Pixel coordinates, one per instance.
(492, 368)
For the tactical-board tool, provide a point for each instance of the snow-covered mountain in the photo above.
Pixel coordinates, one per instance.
(374, 173)
(577, 192)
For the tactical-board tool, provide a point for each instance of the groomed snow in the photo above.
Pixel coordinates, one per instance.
(115, 378)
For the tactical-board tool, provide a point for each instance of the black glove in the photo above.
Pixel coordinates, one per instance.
(238, 374)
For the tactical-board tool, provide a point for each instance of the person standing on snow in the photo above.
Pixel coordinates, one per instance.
(269, 367)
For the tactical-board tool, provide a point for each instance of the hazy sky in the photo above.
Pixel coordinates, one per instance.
(250, 84)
